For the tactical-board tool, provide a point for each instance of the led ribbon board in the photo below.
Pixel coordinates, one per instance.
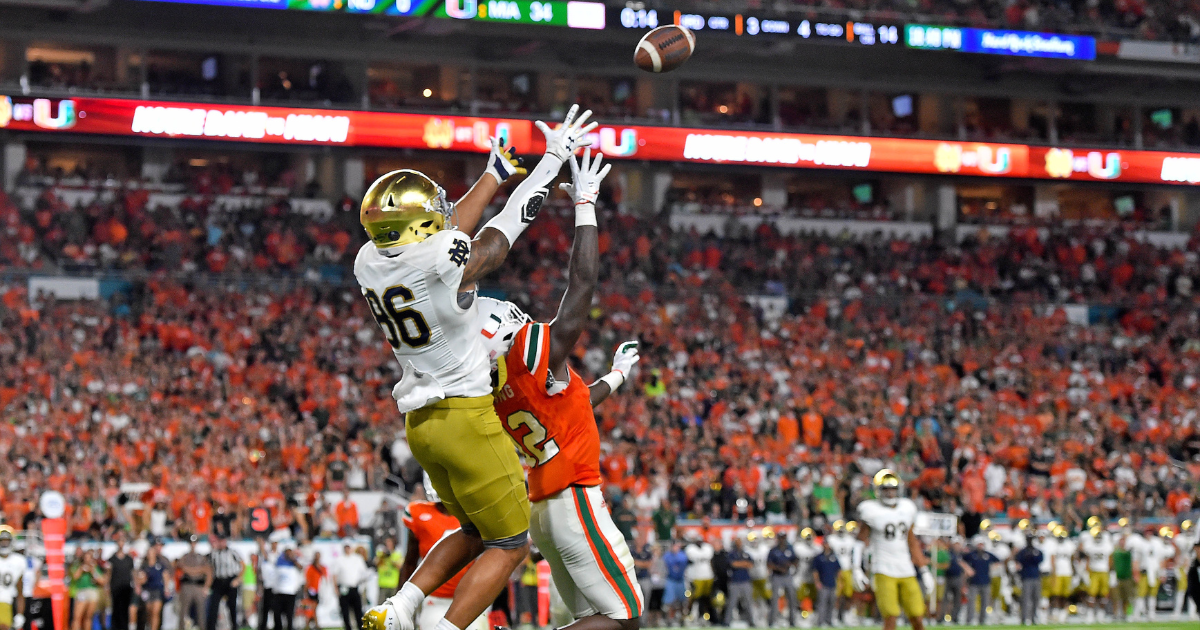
(323, 127)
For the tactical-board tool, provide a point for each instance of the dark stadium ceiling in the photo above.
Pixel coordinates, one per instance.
(365, 39)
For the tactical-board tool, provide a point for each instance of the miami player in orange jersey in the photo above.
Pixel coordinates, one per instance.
(428, 522)
(547, 409)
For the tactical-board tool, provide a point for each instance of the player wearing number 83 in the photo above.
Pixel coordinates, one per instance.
(895, 553)
(418, 275)
(547, 410)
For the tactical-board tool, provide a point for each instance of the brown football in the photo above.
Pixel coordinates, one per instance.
(664, 48)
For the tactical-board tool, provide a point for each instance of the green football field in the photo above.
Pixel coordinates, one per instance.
(1141, 625)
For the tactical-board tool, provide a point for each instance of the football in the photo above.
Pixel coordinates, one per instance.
(664, 48)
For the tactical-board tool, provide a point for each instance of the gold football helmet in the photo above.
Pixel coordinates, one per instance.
(1023, 524)
(806, 534)
(985, 525)
(851, 527)
(404, 207)
(1093, 521)
(1122, 522)
(1061, 532)
(839, 526)
(1095, 531)
(7, 538)
(1166, 532)
(1185, 526)
(887, 487)
(768, 532)
(994, 536)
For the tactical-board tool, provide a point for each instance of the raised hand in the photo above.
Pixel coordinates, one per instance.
(565, 139)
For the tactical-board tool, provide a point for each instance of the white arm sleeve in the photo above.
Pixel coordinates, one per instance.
(526, 200)
(856, 552)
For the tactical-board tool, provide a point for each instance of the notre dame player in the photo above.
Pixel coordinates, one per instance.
(12, 574)
(896, 553)
(418, 273)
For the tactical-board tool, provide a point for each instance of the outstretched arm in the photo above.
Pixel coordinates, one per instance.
(584, 268)
(627, 355)
(491, 246)
(501, 166)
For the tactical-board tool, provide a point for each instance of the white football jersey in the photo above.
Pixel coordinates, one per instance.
(1002, 552)
(890, 554)
(1046, 546)
(413, 295)
(1064, 553)
(12, 569)
(843, 547)
(758, 555)
(805, 552)
(699, 557)
(1098, 550)
(1184, 542)
(1158, 551)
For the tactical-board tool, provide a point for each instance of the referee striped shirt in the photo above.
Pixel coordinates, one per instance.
(227, 564)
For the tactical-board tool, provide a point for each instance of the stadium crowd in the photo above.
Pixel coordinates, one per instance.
(958, 368)
(234, 370)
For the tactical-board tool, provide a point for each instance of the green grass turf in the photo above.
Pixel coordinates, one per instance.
(1140, 625)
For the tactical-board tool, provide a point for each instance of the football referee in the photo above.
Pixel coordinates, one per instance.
(227, 570)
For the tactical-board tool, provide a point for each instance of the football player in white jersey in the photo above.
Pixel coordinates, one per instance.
(842, 544)
(1045, 544)
(886, 529)
(418, 273)
(1098, 548)
(1154, 553)
(758, 547)
(1002, 589)
(1185, 540)
(1062, 570)
(806, 549)
(12, 577)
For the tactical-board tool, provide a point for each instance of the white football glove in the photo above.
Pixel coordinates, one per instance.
(586, 176)
(570, 136)
(927, 581)
(386, 617)
(501, 163)
(626, 356)
(18, 621)
(860, 580)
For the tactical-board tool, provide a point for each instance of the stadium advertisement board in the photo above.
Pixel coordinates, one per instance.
(287, 125)
(1000, 42)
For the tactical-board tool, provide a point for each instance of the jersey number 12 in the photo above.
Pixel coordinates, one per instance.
(531, 435)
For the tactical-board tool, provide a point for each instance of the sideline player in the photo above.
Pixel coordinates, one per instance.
(1098, 548)
(886, 529)
(758, 548)
(1185, 541)
(12, 578)
(547, 410)
(842, 544)
(1061, 571)
(806, 549)
(416, 274)
(428, 522)
(1150, 557)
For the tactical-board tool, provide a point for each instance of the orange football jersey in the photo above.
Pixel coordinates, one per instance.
(429, 525)
(556, 432)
